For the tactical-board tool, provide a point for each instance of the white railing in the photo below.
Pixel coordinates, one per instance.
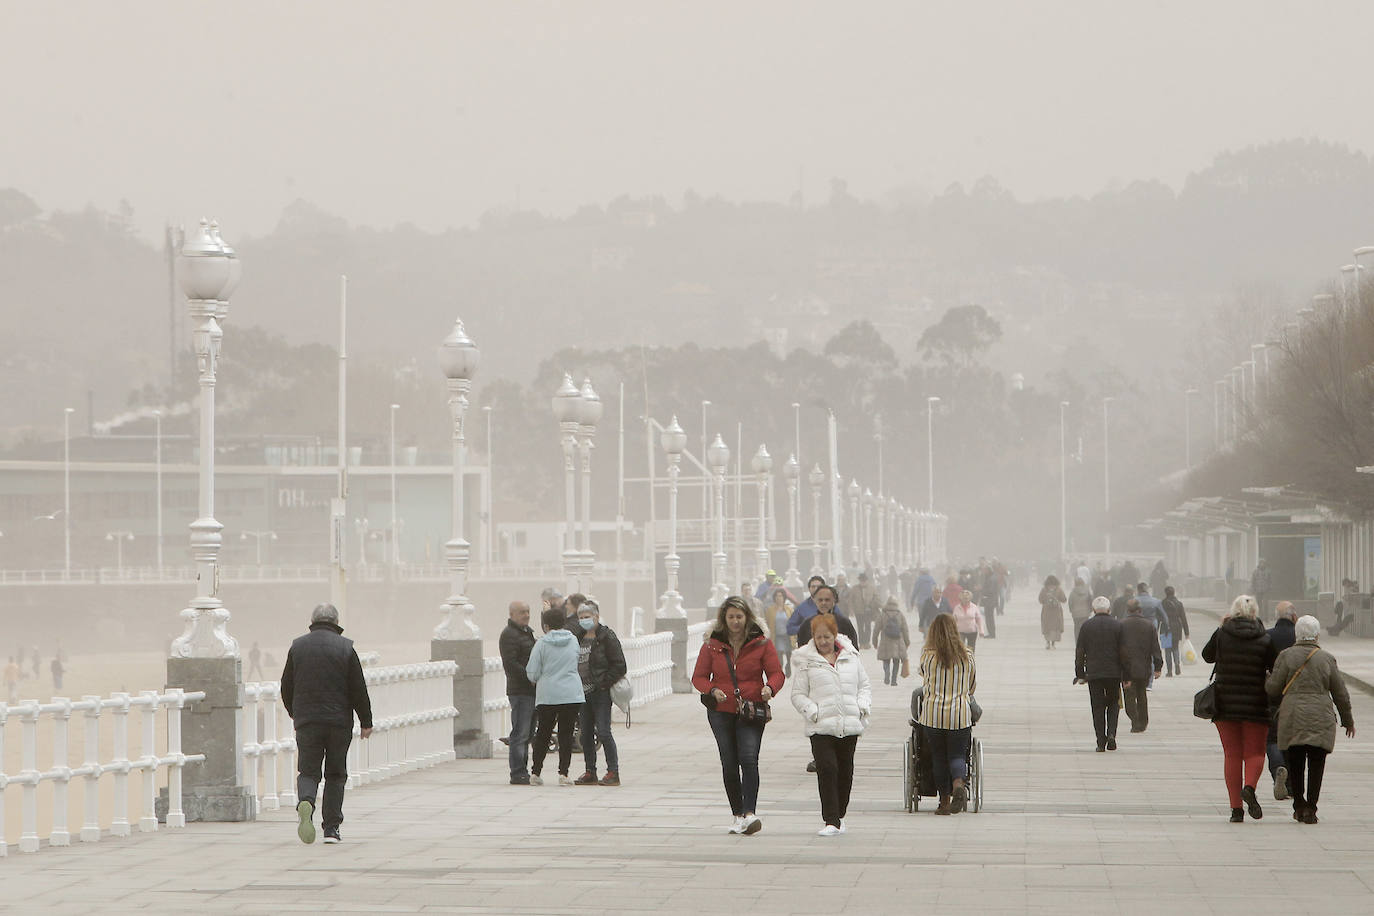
(495, 703)
(412, 722)
(59, 711)
(372, 572)
(649, 660)
(696, 636)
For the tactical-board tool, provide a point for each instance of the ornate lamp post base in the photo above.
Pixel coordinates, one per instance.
(670, 602)
(206, 634)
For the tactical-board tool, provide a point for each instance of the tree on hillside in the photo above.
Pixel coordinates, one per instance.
(960, 335)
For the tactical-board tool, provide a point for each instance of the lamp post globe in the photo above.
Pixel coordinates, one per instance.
(208, 270)
(458, 360)
(674, 441)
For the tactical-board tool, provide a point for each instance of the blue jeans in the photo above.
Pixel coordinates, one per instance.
(948, 754)
(521, 721)
(738, 742)
(596, 710)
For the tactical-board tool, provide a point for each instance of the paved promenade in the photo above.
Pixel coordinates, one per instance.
(1065, 830)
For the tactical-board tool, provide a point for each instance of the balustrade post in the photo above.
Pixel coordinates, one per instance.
(147, 823)
(4, 780)
(175, 816)
(120, 825)
(60, 835)
(28, 720)
(267, 708)
(90, 827)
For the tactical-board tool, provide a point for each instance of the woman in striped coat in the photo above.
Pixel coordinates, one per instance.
(946, 721)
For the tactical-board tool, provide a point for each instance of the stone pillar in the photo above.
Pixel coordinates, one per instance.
(214, 790)
(468, 738)
(682, 674)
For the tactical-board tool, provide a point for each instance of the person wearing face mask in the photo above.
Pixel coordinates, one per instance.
(601, 662)
(831, 691)
(738, 651)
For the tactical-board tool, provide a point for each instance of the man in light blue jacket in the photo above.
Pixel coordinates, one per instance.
(557, 694)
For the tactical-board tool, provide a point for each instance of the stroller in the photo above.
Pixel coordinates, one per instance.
(918, 774)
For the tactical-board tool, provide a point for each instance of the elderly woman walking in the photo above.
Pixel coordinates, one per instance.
(946, 719)
(1244, 656)
(831, 691)
(968, 619)
(1306, 683)
(894, 640)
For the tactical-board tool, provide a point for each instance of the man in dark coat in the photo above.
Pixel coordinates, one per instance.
(1119, 605)
(1282, 635)
(1097, 663)
(322, 687)
(1140, 654)
(516, 643)
(1178, 629)
(826, 599)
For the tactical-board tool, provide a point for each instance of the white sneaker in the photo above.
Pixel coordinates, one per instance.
(843, 828)
(738, 825)
(752, 825)
(828, 830)
(536, 779)
(565, 781)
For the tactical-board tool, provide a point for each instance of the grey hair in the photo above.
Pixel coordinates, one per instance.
(1100, 603)
(1244, 606)
(325, 613)
(1307, 628)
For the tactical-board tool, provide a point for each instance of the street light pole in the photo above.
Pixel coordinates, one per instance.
(257, 537)
(394, 553)
(718, 458)
(868, 527)
(67, 489)
(762, 464)
(791, 473)
(930, 451)
(590, 415)
(1107, 474)
(816, 479)
(209, 272)
(857, 549)
(1063, 488)
(566, 409)
(458, 360)
(119, 537)
(157, 418)
(673, 440)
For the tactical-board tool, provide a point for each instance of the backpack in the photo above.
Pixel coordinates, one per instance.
(892, 627)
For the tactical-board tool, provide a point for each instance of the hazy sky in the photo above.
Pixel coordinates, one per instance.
(432, 112)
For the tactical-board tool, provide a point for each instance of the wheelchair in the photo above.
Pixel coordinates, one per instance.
(918, 773)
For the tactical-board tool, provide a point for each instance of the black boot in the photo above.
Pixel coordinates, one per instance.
(1237, 815)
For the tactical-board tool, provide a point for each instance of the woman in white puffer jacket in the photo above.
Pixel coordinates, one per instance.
(831, 691)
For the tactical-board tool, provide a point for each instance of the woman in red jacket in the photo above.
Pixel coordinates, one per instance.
(739, 640)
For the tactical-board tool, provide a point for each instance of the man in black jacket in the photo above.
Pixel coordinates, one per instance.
(1097, 663)
(1119, 605)
(517, 642)
(826, 599)
(1139, 649)
(322, 687)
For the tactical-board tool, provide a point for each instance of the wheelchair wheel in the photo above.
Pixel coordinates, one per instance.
(910, 796)
(976, 771)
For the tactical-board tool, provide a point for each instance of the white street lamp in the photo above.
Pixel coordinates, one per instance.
(567, 409)
(868, 526)
(893, 548)
(674, 441)
(930, 450)
(67, 488)
(119, 537)
(257, 537)
(157, 419)
(816, 479)
(791, 473)
(718, 459)
(393, 553)
(458, 360)
(762, 465)
(208, 270)
(589, 413)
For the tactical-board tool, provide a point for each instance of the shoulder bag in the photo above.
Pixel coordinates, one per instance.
(1205, 700)
(1299, 671)
(748, 710)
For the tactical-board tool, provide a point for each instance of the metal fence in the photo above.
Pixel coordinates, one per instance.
(696, 636)
(58, 713)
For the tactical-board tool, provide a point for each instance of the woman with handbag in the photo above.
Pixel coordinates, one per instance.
(1307, 683)
(737, 672)
(831, 691)
(948, 679)
(894, 641)
(1243, 655)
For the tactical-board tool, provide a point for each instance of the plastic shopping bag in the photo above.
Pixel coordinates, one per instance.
(1186, 650)
(622, 692)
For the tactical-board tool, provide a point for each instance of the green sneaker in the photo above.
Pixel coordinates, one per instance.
(306, 829)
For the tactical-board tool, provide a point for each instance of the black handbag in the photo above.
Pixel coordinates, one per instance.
(1205, 700)
(748, 710)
